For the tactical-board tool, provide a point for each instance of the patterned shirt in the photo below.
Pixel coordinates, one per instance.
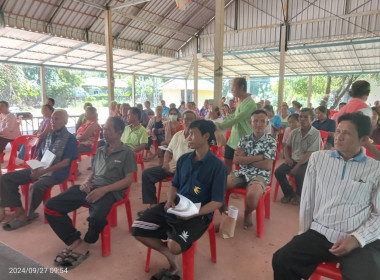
(341, 198)
(266, 146)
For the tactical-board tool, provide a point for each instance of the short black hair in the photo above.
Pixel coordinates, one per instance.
(360, 88)
(342, 103)
(147, 102)
(204, 127)
(309, 110)
(323, 109)
(5, 103)
(241, 81)
(297, 104)
(136, 111)
(269, 108)
(362, 123)
(92, 110)
(118, 123)
(259, 112)
(295, 116)
(52, 100)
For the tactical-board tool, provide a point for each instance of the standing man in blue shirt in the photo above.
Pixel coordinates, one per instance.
(65, 148)
(201, 177)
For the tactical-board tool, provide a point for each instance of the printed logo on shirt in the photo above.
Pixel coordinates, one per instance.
(197, 190)
(118, 161)
(184, 235)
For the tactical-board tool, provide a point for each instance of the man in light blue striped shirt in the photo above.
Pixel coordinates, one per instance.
(340, 206)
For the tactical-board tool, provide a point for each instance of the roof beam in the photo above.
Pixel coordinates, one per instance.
(30, 47)
(153, 23)
(192, 16)
(245, 62)
(64, 53)
(286, 66)
(88, 58)
(55, 14)
(92, 4)
(319, 64)
(357, 57)
(229, 69)
(128, 4)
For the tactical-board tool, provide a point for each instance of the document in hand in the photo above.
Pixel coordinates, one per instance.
(184, 207)
(45, 162)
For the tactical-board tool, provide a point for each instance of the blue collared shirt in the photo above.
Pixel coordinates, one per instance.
(361, 157)
(201, 181)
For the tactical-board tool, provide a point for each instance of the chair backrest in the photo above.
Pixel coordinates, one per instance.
(29, 141)
(228, 134)
(95, 146)
(368, 153)
(324, 135)
(214, 149)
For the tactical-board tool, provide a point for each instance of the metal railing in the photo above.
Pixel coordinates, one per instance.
(29, 125)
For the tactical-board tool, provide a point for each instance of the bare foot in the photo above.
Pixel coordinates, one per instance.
(248, 220)
(80, 246)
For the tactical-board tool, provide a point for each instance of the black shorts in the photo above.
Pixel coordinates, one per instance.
(229, 152)
(156, 223)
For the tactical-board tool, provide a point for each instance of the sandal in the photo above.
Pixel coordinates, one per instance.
(61, 256)
(73, 259)
(169, 276)
(14, 224)
(159, 274)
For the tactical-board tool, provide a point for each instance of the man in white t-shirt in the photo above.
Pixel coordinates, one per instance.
(177, 147)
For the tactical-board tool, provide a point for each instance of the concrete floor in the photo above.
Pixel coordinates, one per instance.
(243, 257)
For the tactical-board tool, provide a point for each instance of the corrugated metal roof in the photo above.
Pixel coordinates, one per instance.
(324, 36)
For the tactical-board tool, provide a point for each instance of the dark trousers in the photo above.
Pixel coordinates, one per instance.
(149, 178)
(281, 173)
(301, 256)
(56, 210)
(10, 182)
(3, 143)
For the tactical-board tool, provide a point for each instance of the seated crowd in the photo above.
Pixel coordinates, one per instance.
(336, 185)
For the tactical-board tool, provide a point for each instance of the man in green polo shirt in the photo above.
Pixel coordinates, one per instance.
(239, 121)
(134, 135)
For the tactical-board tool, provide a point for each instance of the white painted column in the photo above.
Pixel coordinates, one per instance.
(195, 69)
(218, 50)
(43, 84)
(109, 56)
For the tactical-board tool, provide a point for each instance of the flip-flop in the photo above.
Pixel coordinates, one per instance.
(61, 256)
(74, 259)
(170, 276)
(14, 224)
(159, 274)
(33, 216)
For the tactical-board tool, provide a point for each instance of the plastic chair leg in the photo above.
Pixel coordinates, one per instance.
(135, 176)
(129, 213)
(147, 262)
(267, 205)
(106, 240)
(188, 263)
(260, 217)
(113, 217)
(276, 191)
(212, 237)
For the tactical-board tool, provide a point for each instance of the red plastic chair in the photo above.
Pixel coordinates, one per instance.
(330, 270)
(112, 222)
(263, 207)
(139, 160)
(94, 147)
(160, 186)
(332, 113)
(47, 194)
(324, 135)
(368, 153)
(188, 256)
(29, 141)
